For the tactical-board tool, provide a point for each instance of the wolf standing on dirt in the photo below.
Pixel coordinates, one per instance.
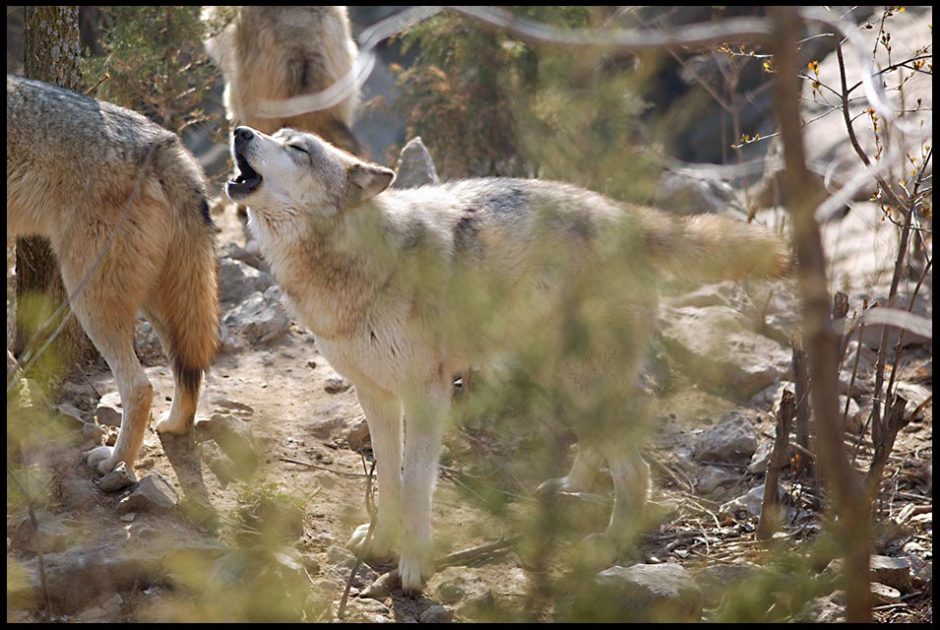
(405, 288)
(278, 52)
(124, 205)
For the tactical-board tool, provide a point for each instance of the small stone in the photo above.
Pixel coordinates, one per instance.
(339, 555)
(312, 365)
(712, 478)
(893, 572)
(129, 517)
(436, 614)
(652, 592)
(464, 589)
(77, 493)
(52, 535)
(118, 479)
(732, 440)
(109, 410)
(357, 436)
(234, 405)
(152, 494)
(335, 384)
(883, 594)
(73, 414)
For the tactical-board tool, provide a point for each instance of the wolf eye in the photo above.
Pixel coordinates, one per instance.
(299, 148)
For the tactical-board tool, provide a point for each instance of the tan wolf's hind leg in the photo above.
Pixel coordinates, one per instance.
(179, 419)
(114, 338)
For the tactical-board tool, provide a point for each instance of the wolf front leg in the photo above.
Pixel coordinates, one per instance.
(383, 415)
(425, 414)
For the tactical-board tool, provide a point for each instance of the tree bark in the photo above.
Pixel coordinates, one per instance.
(52, 55)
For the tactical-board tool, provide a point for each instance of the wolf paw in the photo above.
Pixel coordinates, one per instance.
(379, 547)
(173, 426)
(102, 459)
(415, 568)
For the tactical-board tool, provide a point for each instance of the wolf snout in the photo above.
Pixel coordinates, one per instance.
(242, 135)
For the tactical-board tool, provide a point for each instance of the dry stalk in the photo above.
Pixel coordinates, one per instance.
(778, 458)
(849, 497)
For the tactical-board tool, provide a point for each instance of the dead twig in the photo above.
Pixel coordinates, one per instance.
(778, 458)
(318, 467)
(370, 507)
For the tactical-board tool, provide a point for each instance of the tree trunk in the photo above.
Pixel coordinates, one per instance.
(52, 55)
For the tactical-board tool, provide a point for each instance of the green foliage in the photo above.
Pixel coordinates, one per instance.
(155, 63)
(487, 104)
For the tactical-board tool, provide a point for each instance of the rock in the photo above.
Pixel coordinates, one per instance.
(234, 405)
(436, 614)
(715, 580)
(823, 610)
(250, 255)
(745, 506)
(712, 477)
(72, 414)
(106, 611)
(893, 572)
(238, 280)
(415, 166)
(732, 440)
(690, 190)
(236, 439)
(871, 337)
(152, 494)
(52, 534)
(466, 592)
(77, 493)
(884, 594)
(129, 517)
(760, 458)
(357, 435)
(720, 351)
(93, 433)
(650, 592)
(717, 294)
(335, 384)
(279, 571)
(147, 344)
(118, 479)
(109, 410)
(260, 318)
(99, 569)
(339, 555)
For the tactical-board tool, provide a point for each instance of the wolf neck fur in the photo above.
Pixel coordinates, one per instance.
(323, 263)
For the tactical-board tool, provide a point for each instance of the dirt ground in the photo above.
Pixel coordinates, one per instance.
(301, 431)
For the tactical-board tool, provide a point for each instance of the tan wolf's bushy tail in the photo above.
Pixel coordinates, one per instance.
(187, 296)
(714, 247)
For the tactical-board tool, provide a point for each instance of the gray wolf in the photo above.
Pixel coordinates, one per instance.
(123, 204)
(405, 288)
(279, 52)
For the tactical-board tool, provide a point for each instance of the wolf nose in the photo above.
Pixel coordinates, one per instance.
(243, 134)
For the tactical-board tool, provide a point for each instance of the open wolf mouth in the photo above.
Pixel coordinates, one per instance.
(246, 182)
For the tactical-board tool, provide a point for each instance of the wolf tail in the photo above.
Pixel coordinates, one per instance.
(713, 247)
(187, 297)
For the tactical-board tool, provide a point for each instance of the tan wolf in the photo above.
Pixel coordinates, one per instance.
(405, 288)
(279, 52)
(124, 205)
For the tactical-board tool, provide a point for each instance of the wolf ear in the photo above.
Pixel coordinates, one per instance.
(366, 181)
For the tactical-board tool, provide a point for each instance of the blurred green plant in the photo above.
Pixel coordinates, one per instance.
(487, 104)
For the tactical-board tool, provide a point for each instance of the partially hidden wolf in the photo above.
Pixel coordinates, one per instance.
(277, 52)
(405, 288)
(123, 204)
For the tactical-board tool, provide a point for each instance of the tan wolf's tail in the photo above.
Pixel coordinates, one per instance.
(714, 247)
(187, 295)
